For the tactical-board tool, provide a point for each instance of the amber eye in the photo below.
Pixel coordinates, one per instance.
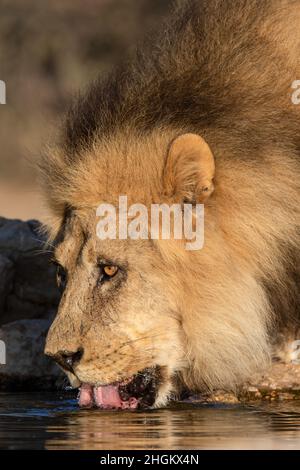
(110, 271)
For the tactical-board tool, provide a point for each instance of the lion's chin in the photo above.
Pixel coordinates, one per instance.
(136, 392)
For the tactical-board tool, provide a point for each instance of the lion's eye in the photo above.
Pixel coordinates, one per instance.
(61, 277)
(107, 272)
(110, 271)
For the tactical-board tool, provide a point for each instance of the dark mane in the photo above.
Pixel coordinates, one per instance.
(207, 67)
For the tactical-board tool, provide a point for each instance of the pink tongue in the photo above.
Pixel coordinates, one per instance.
(86, 398)
(108, 397)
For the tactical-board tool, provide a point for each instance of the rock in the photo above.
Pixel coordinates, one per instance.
(279, 382)
(28, 301)
(26, 367)
(218, 396)
(28, 288)
(285, 396)
(6, 276)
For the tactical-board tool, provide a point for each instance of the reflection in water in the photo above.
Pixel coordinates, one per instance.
(46, 421)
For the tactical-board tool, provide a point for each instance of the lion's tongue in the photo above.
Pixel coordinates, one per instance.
(105, 396)
(86, 397)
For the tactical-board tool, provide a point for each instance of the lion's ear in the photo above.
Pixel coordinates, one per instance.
(189, 170)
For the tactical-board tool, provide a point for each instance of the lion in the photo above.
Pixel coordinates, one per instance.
(201, 113)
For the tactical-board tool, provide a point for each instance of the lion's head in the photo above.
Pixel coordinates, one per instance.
(119, 332)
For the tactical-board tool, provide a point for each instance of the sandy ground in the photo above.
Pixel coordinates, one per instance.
(20, 202)
(280, 382)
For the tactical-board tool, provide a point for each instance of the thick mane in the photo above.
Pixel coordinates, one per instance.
(209, 67)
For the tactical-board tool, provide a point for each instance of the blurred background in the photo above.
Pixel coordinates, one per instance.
(48, 50)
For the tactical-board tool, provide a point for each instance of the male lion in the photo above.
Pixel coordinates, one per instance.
(203, 113)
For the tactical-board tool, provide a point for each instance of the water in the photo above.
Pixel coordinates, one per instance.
(53, 421)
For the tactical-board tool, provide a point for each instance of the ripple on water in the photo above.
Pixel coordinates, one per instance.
(53, 421)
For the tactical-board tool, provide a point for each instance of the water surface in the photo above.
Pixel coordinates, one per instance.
(53, 421)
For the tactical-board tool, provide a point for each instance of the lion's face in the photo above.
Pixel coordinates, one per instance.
(118, 333)
(118, 317)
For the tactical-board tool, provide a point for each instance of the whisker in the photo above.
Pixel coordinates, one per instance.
(42, 252)
(43, 242)
(139, 339)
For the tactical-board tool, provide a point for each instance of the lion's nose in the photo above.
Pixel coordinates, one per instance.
(68, 359)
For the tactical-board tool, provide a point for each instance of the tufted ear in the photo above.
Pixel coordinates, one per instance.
(189, 170)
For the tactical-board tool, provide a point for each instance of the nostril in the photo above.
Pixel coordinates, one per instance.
(67, 359)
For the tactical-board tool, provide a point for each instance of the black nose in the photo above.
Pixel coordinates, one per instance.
(67, 359)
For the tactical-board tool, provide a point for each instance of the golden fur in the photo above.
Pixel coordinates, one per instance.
(208, 318)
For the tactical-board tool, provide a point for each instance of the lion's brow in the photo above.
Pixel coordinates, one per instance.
(58, 254)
